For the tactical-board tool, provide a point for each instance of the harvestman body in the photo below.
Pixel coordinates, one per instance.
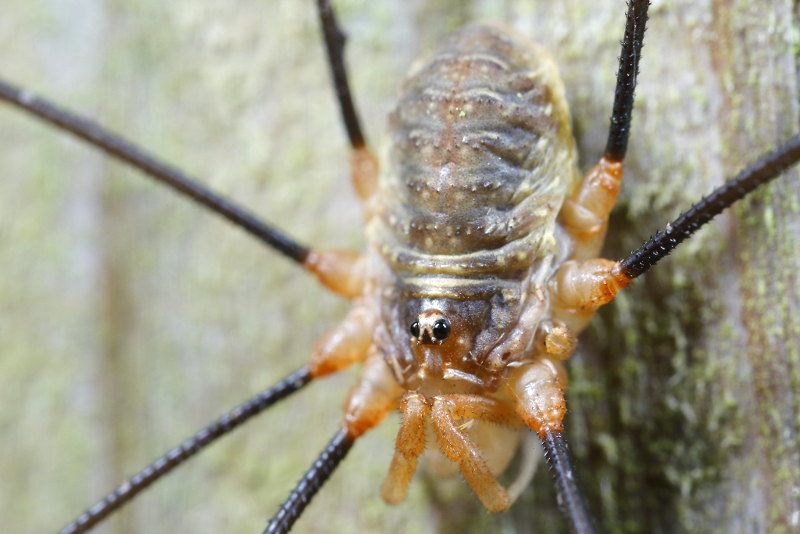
(481, 267)
(476, 287)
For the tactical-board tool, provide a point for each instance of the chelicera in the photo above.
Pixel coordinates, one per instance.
(431, 337)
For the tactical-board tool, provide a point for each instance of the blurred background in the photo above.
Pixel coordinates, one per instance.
(129, 318)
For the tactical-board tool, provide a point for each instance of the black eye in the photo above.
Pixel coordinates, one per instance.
(415, 329)
(441, 329)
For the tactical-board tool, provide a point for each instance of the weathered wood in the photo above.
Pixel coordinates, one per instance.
(128, 318)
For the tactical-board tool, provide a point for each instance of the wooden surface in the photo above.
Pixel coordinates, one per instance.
(129, 318)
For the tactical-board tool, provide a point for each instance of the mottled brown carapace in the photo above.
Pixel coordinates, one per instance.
(481, 267)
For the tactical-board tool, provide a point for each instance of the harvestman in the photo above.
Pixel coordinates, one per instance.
(595, 283)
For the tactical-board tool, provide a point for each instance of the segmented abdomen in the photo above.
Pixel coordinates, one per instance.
(480, 158)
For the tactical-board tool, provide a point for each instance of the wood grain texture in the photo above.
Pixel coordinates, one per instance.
(128, 318)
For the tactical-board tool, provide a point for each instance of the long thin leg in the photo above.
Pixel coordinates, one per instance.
(363, 163)
(375, 395)
(125, 492)
(629, 56)
(334, 46)
(762, 171)
(340, 271)
(124, 150)
(585, 213)
(319, 472)
(569, 495)
(339, 348)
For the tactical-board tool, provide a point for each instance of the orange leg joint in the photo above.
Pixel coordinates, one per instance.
(585, 212)
(538, 389)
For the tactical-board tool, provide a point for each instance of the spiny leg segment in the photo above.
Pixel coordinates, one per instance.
(330, 267)
(313, 479)
(762, 171)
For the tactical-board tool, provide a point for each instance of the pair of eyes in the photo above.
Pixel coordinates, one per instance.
(440, 330)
